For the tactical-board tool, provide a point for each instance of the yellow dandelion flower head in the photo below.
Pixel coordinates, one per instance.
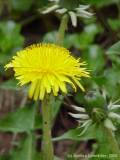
(49, 68)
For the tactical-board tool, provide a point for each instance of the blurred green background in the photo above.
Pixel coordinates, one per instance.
(22, 24)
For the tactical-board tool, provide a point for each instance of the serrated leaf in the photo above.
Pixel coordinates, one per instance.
(23, 120)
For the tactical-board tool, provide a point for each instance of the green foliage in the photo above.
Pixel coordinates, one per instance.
(18, 122)
(50, 37)
(101, 3)
(42, 3)
(114, 24)
(26, 150)
(112, 80)
(91, 41)
(11, 84)
(94, 98)
(74, 134)
(114, 49)
(95, 58)
(10, 39)
(55, 106)
(94, 131)
(22, 5)
(80, 40)
(69, 4)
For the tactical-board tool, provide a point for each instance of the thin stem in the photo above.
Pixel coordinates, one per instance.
(113, 143)
(62, 28)
(47, 146)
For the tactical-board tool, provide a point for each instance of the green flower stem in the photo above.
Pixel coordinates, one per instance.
(47, 146)
(113, 143)
(62, 28)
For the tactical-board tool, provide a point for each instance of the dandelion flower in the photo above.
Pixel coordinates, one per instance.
(48, 68)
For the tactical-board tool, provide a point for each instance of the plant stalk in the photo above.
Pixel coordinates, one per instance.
(113, 143)
(47, 146)
(62, 29)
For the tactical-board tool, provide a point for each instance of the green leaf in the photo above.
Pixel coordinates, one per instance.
(8, 42)
(69, 4)
(102, 150)
(102, 146)
(100, 3)
(27, 150)
(5, 157)
(94, 99)
(50, 37)
(113, 53)
(96, 132)
(23, 120)
(94, 56)
(112, 74)
(79, 98)
(84, 39)
(21, 5)
(55, 106)
(112, 82)
(74, 134)
(80, 40)
(71, 40)
(10, 85)
(41, 3)
(88, 35)
(99, 80)
(114, 49)
(114, 24)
